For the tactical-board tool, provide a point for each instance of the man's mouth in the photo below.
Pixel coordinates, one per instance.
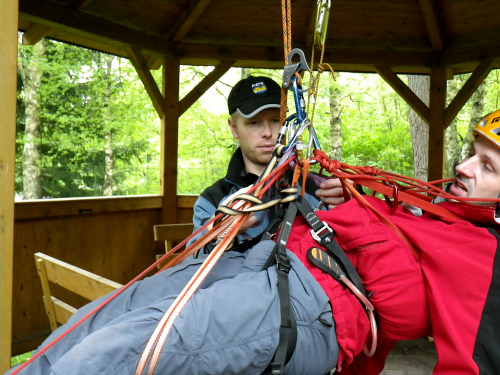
(458, 188)
(268, 148)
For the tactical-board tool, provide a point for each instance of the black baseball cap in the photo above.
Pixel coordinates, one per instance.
(252, 95)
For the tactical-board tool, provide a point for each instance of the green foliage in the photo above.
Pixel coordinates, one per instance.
(375, 125)
(83, 96)
(90, 102)
(20, 359)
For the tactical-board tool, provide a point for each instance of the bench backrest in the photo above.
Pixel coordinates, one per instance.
(77, 280)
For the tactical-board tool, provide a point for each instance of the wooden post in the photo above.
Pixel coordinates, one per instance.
(170, 140)
(437, 102)
(8, 86)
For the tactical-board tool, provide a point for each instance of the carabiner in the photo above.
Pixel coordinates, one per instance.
(322, 15)
(290, 69)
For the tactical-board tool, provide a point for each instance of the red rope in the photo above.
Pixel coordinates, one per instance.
(410, 190)
(211, 234)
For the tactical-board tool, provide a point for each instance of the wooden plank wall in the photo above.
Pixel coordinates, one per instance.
(110, 237)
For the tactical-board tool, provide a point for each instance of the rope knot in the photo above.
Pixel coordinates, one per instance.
(373, 171)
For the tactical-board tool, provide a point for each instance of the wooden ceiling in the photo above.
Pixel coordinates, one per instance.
(410, 36)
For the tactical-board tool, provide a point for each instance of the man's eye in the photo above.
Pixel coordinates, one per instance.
(487, 168)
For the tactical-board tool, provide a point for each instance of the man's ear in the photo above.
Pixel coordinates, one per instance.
(233, 128)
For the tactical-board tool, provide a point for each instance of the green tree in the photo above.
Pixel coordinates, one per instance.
(99, 133)
(31, 63)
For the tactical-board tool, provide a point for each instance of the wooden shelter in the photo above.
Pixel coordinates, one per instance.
(113, 237)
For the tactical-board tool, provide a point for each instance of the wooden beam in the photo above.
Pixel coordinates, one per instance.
(437, 102)
(332, 55)
(170, 140)
(83, 4)
(78, 40)
(35, 33)
(67, 208)
(147, 79)
(8, 92)
(204, 85)
(404, 91)
(470, 54)
(480, 73)
(193, 16)
(311, 25)
(71, 20)
(154, 62)
(429, 11)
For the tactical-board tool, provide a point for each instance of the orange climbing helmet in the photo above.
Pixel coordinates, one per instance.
(489, 127)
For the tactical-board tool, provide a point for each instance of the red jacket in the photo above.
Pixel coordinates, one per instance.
(442, 294)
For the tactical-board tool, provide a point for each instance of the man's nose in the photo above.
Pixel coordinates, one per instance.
(466, 167)
(267, 131)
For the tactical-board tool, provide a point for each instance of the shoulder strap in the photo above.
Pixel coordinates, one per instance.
(288, 327)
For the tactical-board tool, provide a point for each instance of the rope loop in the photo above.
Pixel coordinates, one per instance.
(279, 150)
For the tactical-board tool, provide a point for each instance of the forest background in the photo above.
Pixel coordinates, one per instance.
(86, 126)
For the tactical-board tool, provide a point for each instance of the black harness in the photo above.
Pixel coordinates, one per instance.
(338, 267)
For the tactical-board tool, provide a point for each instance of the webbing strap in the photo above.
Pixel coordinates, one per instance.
(325, 236)
(288, 328)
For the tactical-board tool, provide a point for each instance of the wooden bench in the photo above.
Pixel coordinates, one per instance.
(170, 233)
(77, 280)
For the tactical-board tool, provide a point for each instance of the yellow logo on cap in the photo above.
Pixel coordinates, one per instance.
(259, 88)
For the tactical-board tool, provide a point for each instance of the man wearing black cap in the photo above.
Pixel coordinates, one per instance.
(254, 109)
(255, 120)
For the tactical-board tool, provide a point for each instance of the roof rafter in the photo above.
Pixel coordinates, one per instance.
(35, 33)
(429, 11)
(66, 19)
(83, 4)
(192, 17)
(477, 77)
(204, 85)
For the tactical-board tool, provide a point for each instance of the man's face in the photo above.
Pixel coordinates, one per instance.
(257, 136)
(478, 176)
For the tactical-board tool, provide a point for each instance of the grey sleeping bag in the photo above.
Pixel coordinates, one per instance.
(230, 326)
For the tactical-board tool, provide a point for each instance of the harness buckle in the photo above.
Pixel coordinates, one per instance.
(324, 235)
(283, 263)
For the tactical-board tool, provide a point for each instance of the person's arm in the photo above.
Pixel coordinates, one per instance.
(203, 212)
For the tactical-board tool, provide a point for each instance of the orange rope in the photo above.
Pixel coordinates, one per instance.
(286, 15)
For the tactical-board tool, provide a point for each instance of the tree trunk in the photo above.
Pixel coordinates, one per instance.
(245, 73)
(108, 146)
(420, 84)
(475, 116)
(31, 71)
(335, 123)
(451, 136)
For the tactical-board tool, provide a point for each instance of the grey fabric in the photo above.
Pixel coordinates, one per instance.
(230, 326)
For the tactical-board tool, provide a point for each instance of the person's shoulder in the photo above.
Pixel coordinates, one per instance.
(218, 191)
